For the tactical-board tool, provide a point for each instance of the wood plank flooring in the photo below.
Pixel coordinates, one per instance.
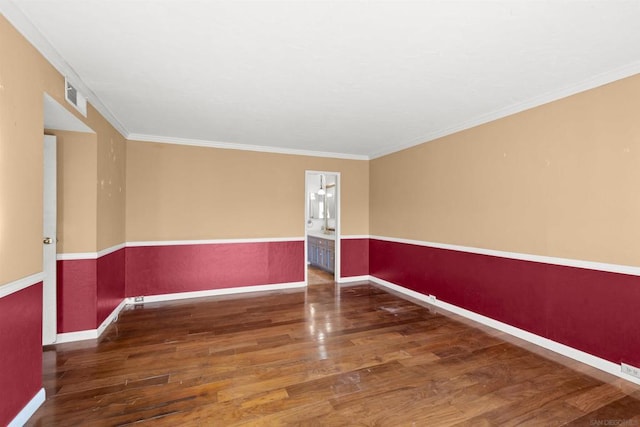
(323, 356)
(316, 276)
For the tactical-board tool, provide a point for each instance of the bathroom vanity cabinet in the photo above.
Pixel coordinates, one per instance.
(321, 252)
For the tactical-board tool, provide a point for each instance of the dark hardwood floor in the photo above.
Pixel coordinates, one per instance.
(316, 276)
(323, 356)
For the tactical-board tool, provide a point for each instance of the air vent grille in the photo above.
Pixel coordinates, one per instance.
(75, 98)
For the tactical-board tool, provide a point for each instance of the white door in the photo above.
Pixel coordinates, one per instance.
(49, 312)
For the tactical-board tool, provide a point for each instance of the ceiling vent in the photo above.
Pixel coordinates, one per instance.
(75, 98)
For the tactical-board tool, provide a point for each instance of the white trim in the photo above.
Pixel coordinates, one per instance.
(351, 279)
(19, 20)
(580, 356)
(583, 86)
(217, 292)
(110, 250)
(590, 265)
(65, 337)
(71, 256)
(112, 317)
(244, 147)
(20, 284)
(356, 236)
(29, 409)
(306, 230)
(95, 255)
(213, 241)
(91, 334)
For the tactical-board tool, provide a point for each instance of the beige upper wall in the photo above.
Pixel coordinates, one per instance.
(111, 182)
(91, 188)
(558, 180)
(77, 193)
(24, 75)
(177, 192)
(24, 78)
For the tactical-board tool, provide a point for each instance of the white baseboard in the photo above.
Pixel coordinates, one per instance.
(65, 337)
(351, 279)
(29, 409)
(111, 317)
(91, 334)
(580, 356)
(217, 292)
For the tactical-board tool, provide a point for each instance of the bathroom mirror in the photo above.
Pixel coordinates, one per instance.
(331, 202)
(316, 206)
(322, 200)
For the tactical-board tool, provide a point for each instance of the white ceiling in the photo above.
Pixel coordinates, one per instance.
(359, 78)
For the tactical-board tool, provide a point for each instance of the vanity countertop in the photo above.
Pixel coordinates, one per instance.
(321, 235)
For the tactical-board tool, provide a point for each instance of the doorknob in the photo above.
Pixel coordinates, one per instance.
(47, 240)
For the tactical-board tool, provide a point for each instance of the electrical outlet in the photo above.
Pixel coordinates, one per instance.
(630, 370)
(138, 299)
(432, 299)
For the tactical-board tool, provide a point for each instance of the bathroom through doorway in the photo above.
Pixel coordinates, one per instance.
(322, 227)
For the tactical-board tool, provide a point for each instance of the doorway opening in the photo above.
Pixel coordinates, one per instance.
(56, 118)
(322, 227)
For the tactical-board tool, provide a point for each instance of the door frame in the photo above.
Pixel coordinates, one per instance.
(336, 262)
(58, 117)
(49, 227)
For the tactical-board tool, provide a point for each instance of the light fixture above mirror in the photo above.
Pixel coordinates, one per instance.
(321, 191)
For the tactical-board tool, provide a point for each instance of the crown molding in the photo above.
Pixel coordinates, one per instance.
(590, 83)
(243, 147)
(19, 20)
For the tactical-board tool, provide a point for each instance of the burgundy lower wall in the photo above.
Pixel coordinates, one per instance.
(21, 350)
(89, 290)
(77, 295)
(354, 257)
(590, 310)
(111, 283)
(157, 270)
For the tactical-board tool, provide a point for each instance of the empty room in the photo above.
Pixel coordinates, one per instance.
(421, 213)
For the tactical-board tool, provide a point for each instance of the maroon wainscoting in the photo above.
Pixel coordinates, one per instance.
(21, 350)
(354, 257)
(77, 295)
(157, 270)
(89, 290)
(111, 283)
(590, 310)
